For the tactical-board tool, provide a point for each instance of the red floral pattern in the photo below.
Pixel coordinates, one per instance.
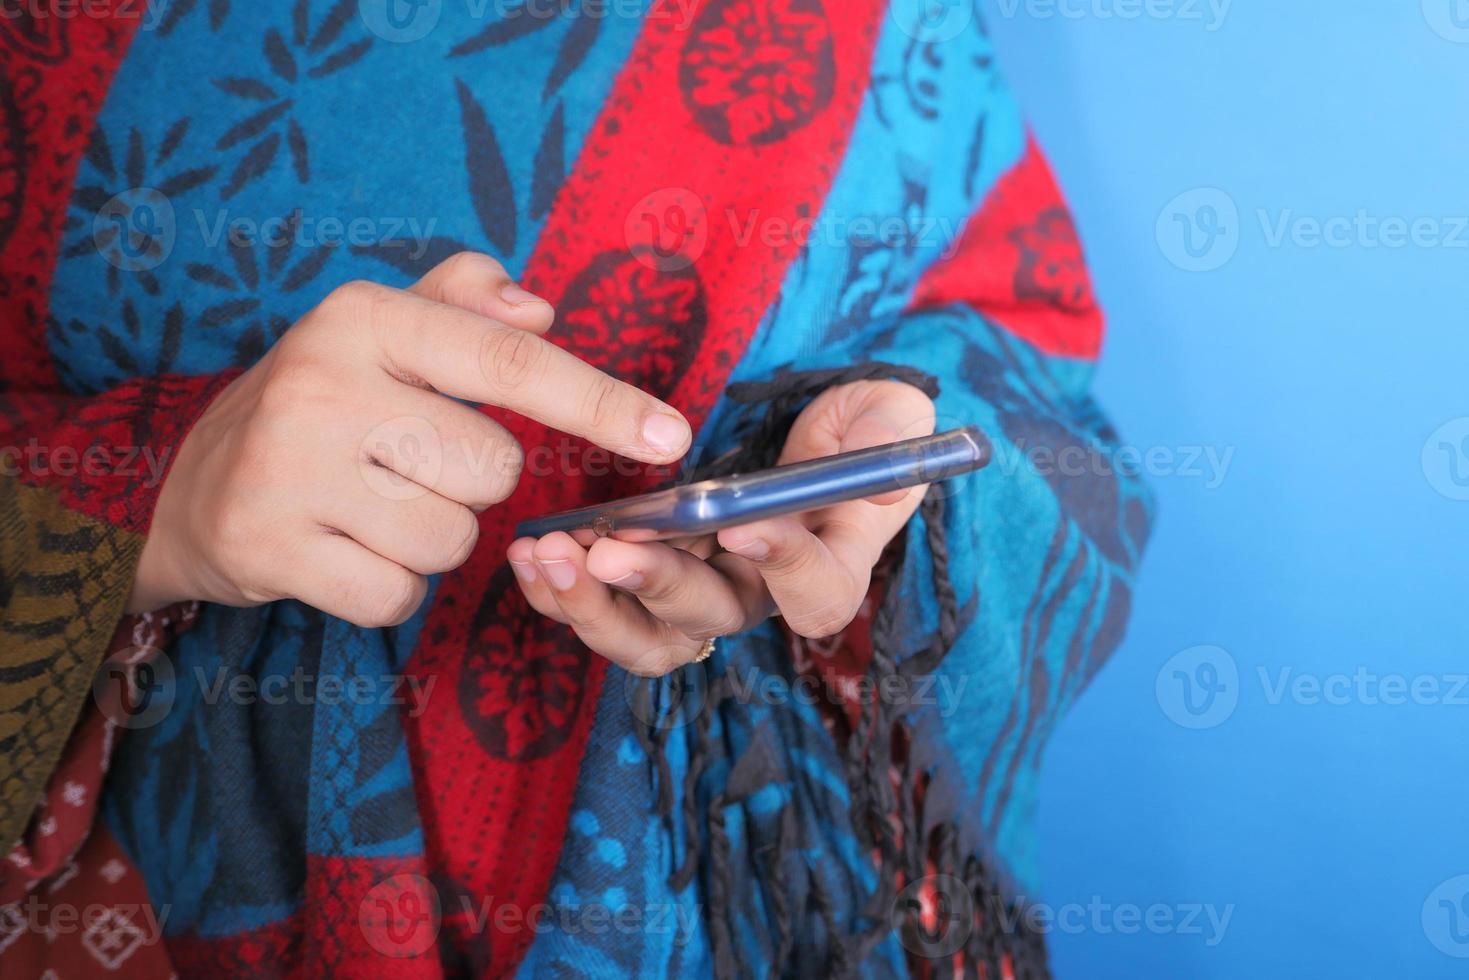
(645, 322)
(521, 687)
(755, 70)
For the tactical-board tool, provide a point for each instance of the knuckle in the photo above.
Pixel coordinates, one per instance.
(462, 539)
(353, 295)
(387, 602)
(293, 383)
(602, 402)
(507, 462)
(827, 618)
(511, 359)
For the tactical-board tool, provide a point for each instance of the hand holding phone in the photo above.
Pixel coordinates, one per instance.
(800, 540)
(711, 505)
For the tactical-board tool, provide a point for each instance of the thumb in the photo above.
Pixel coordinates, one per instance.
(477, 283)
(860, 415)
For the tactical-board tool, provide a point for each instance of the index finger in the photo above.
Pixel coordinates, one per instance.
(468, 356)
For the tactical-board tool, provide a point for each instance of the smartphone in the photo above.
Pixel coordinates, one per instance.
(727, 501)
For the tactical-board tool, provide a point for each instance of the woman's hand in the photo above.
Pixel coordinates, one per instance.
(336, 471)
(649, 607)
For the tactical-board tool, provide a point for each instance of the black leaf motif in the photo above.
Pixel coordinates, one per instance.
(171, 141)
(246, 88)
(275, 259)
(377, 744)
(347, 56)
(409, 260)
(175, 13)
(279, 55)
(489, 180)
(218, 11)
(549, 171)
(296, 141)
(209, 276)
(235, 309)
(91, 197)
(573, 51)
(137, 161)
(250, 345)
(173, 333)
(300, 21)
(971, 167)
(255, 163)
(99, 154)
(130, 319)
(116, 352)
(187, 181)
(385, 817)
(307, 269)
(517, 24)
(242, 254)
(252, 126)
(331, 26)
(88, 245)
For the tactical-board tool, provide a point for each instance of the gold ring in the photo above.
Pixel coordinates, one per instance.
(704, 651)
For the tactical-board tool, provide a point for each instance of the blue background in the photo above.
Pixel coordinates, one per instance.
(1327, 547)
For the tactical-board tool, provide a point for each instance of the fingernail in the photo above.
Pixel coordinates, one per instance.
(666, 433)
(515, 295)
(524, 571)
(754, 549)
(561, 573)
(629, 581)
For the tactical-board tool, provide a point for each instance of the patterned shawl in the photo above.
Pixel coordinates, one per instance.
(731, 203)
